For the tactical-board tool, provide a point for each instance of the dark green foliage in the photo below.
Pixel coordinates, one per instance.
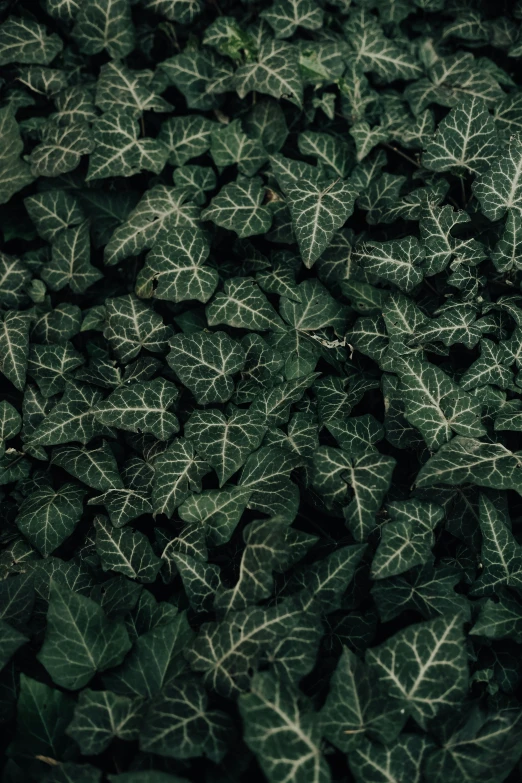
(261, 415)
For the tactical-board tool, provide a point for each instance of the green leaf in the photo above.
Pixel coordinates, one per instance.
(318, 209)
(10, 423)
(71, 419)
(266, 475)
(465, 139)
(141, 407)
(177, 472)
(25, 41)
(434, 404)
(105, 24)
(283, 735)
(423, 667)
(100, 716)
(14, 347)
(156, 657)
(226, 652)
(230, 144)
(176, 266)
(131, 326)
(466, 459)
(118, 152)
(179, 724)
(407, 540)
(10, 641)
(218, 511)
(500, 188)
(95, 467)
(356, 705)
(47, 517)
(61, 149)
(200, 75)
(398, 261)
(501, 555)
(285, 16)
(500, 619)
(368, 476)
(15, 173)
(205, 362)
(127, 552)
(243, 306)
(186, 137)
(239, 207)
(120, 88)
(374, 763)
(79, 639)
(275, 73)
(376, 53)
(160, 208)
(182, 11)
(52, 212)
(70, 263)
(42, 716)
(224, 443)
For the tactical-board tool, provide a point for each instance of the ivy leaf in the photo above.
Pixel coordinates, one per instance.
(160, 208)
(376, 53)
(501, 555)
(131, 326)
(272, 715)
(15, 173)
(285, 16)
(155, 658)
(47, 517)
(224, 443)
(182, 11)
(118, 152)
(367, 475)
(186, 137)
(205, 362)
(125, 551)
(239, 207)
(230, 144)
(430, 674)
(105, 24)
(466, 459)
(398, 261)
(141, 407)
(275, 73)
(120, 88)
(71, 419)
(61, 149)
(70, 264)
(500, 188)
(25, 41)
(372, 761)
(465, 139)
(179, 724)
(500, 620)
(434, 404)
(219, 511)
(318, 209)
(52, 212)
(95, 467)
(100, 716)
(79, 639)
(14, 347)
(200, 75)
(356, 705)
(11, 640)
(176, 267)
(177, 472)
(243, 306)
(265, 475)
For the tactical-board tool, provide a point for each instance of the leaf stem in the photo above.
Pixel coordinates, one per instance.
(402, 154)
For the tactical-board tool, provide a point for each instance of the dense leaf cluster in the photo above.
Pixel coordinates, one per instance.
(261, 356)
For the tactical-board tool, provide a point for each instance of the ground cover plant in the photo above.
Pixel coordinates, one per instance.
(261, 353)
